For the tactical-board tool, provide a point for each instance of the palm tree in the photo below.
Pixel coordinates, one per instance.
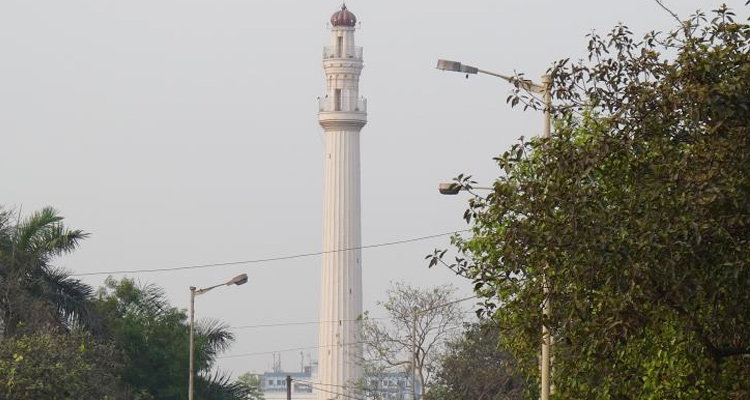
(33, 293)
(154, 337)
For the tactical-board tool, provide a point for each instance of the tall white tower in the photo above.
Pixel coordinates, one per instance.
(342, 115)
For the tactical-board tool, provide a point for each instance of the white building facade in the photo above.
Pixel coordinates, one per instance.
(342, 114)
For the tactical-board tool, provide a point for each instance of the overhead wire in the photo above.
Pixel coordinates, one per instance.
(271, 325)
(339, 394)
(320, 322)
(346, 387)
(258, 353)
(269, 259)
(279, 324)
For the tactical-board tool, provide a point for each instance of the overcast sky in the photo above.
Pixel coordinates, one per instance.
(184, 132)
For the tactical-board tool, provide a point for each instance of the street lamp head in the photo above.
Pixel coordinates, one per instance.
(449, 188)
(238, 280)
(455, 66)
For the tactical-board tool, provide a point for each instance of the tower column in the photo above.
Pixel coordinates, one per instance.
(342, 115)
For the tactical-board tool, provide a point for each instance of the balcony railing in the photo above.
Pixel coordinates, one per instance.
(345, 103)
(342, 52)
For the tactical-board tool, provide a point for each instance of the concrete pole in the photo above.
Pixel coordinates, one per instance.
(546, 337)
(192, 344)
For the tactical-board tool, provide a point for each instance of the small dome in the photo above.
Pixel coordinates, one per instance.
(343, 17)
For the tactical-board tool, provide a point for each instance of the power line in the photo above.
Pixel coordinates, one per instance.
(259, 353)
(324, 384)
(271, 325)
(338, 394)
(316, 386)
(365, 388)
(299, 323)
(270, 259)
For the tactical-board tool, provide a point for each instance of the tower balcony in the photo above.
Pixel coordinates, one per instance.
(342, 52)
(342, 112)
(339, 103)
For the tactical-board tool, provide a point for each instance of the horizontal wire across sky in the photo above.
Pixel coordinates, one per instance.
(263, 260)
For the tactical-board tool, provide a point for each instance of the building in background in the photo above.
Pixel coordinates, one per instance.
(273, 385)
(305, 385)
(388, 386)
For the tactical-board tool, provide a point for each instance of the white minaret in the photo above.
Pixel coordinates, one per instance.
(342, 115)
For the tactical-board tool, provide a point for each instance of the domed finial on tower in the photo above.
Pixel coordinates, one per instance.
(343, 17)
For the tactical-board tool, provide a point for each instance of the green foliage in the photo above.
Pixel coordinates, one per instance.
(57, 366)
(475, 367)
(34, 294)
(637, 211)
(251, 383)
(42, 309)
(154, 337)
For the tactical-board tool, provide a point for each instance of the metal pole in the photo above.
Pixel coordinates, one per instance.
(288, 387)
(192, 320)
(546, 337)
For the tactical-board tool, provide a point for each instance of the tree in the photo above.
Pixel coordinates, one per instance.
(637, 214)
(251, 383)
(419, 323)
(58, 366)
(33, 293)
(155, 340)
(474, 366)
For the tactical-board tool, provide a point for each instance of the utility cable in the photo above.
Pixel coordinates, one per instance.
(270, 259)
(260, 353)
(339, 394)
(271, 325)
(340, 386)
(287, 350)
(365, 389)
(278, 324)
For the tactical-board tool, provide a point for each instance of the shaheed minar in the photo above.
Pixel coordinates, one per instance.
(342, 115)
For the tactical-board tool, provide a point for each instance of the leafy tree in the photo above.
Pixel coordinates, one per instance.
(154, 337)
(58, 366)
(475, 367)
(251, 383)
(420, 320)
(33, 293)
(637, 212)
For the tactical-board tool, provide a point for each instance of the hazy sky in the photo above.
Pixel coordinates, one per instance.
(182, 132)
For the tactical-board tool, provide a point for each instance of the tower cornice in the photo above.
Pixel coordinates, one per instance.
(342, 120)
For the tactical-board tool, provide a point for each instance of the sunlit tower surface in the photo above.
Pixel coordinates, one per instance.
(342, 115)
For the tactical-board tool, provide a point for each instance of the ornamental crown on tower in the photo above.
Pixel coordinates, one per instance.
(343, 17)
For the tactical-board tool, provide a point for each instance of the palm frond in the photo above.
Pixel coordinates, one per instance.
(219, 386)
(70, 296)
(29, 228)
(43, 235)
(218, 338)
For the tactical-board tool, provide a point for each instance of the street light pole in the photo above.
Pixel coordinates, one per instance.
(544, 90)
(546, 306)
(237, 280)
(192, 342)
